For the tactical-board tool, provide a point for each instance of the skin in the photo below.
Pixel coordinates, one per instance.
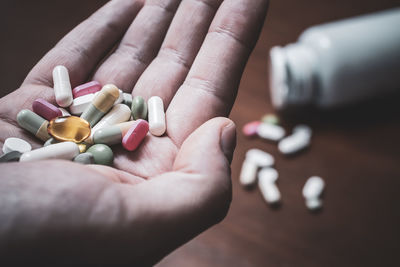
(191, 54)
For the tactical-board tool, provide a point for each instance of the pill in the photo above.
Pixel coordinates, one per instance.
(269, 191)
(63, 150)
(268, 174)
(101, 104)
(62, 86)
(45, 109)
(112, 135)
(70, 128)
(291, 144)
(260, 158)
(102, 154)
(84, 158)
(135, 135)
(127, 99)
(270, 118)
(250, 129)
(312, 191)
(33, 123)
(81, 103)
(120, 98)
(248, 173)
(119, 113)
(139, 108)
(156, 116)
(87, 88)
(270, 131)
(10, 156)
(303, 128)
(16, 144)
(64, 112)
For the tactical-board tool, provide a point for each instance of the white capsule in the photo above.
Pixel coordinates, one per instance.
(248, 173)
(269, 191)
(120, 98)
(270, 131)
(16, 144)
(297, 141)
(156, 116)
(64, 112)
(260, 158)
(268, 175)
(80, 103)
(303, 128)
(312, 191)
(64, 150)
(62, 86)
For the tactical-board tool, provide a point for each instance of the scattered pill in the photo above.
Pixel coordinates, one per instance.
(156, 116)
(64, 150)
(45, 109)
(127, 99)
(268, 174)
(139, 108)
(10, 156)
(69, 128)
(303, 128)
(64, 112)
(250, 129)
(102, 154)
(291, 144)
(16, 144)
(81, 103)
(270, 131)
(260, 158)
(135, 135)
(112, 135)
(33, 123)
(312, 191)
(101, 104)
(84, 158)
(248, 173)
(270, 118)
(87, 88)
(62, 86)
(269, 191)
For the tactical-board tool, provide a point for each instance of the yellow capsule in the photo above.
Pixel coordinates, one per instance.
(69, 128)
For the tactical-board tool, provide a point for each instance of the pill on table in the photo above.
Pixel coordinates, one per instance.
(267, 174)
(312, 191)
(270, 131)
(260, 158)
(63, 150)
(270, 118)
(101, 104)
(112, 135)
(64, 112)
(120, 98)
(33, 123)
(291, 144)
(87, 88)
(10, 156)
(62, 86)
(45, 109)
(69, 128)
(127, 99)
(248, 173)
(16, 144)
(84, 158)
(303, 128)
(139, 108)
(156, 116)
(81, 103)
(250, 129)
(102, 154)
(135, 135)
(269, 191)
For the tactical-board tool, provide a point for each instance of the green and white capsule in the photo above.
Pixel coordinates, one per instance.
(33, 123)
(112, 135)
(101, 104)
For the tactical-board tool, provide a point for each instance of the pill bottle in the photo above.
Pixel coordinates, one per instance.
(338, 63)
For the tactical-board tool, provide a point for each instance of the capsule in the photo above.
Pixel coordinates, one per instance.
(33, 123)
(135, 135)
(260, 158)
(85, 89)
(156, 116)
(64, 150)
(139, 108)
(62, 86)
(269, 191)
(45, 109)
(112, 135)
(248, 173)
(70, 128)
(119, 113)
(101, 104)
(81, 103)
(270, 131)
(312, 191)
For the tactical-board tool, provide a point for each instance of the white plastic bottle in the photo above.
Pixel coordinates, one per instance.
(338, 63)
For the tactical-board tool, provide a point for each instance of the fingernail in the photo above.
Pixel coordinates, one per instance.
(228, 140)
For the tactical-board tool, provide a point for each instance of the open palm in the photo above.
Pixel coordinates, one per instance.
(191, 54)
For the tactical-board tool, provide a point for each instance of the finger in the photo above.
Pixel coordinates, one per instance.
(139, 46)
(183, 40)
(82, 49)
(211, 86)
(183, 203)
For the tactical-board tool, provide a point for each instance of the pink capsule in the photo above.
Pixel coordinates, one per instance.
(87, 88)
(45, 109)
(250, 129)
(135, 135)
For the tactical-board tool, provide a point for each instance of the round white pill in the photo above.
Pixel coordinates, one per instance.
(270, 131)
(268, 175)
(260, 158)
(16, 144)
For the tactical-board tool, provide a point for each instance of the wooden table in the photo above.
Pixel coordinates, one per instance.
(355, 150)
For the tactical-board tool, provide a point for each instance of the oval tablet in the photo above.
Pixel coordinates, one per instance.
(135, 135)
(16, 144)
(87, 88)
(45, 109)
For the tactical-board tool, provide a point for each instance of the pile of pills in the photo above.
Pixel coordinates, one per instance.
(258, 164)
(102, 116)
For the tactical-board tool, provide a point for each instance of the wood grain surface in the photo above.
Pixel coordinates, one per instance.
(356, 150)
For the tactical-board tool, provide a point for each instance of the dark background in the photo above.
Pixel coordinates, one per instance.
(356, 150)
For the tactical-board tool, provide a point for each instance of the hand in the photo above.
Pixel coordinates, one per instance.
(191, 54)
